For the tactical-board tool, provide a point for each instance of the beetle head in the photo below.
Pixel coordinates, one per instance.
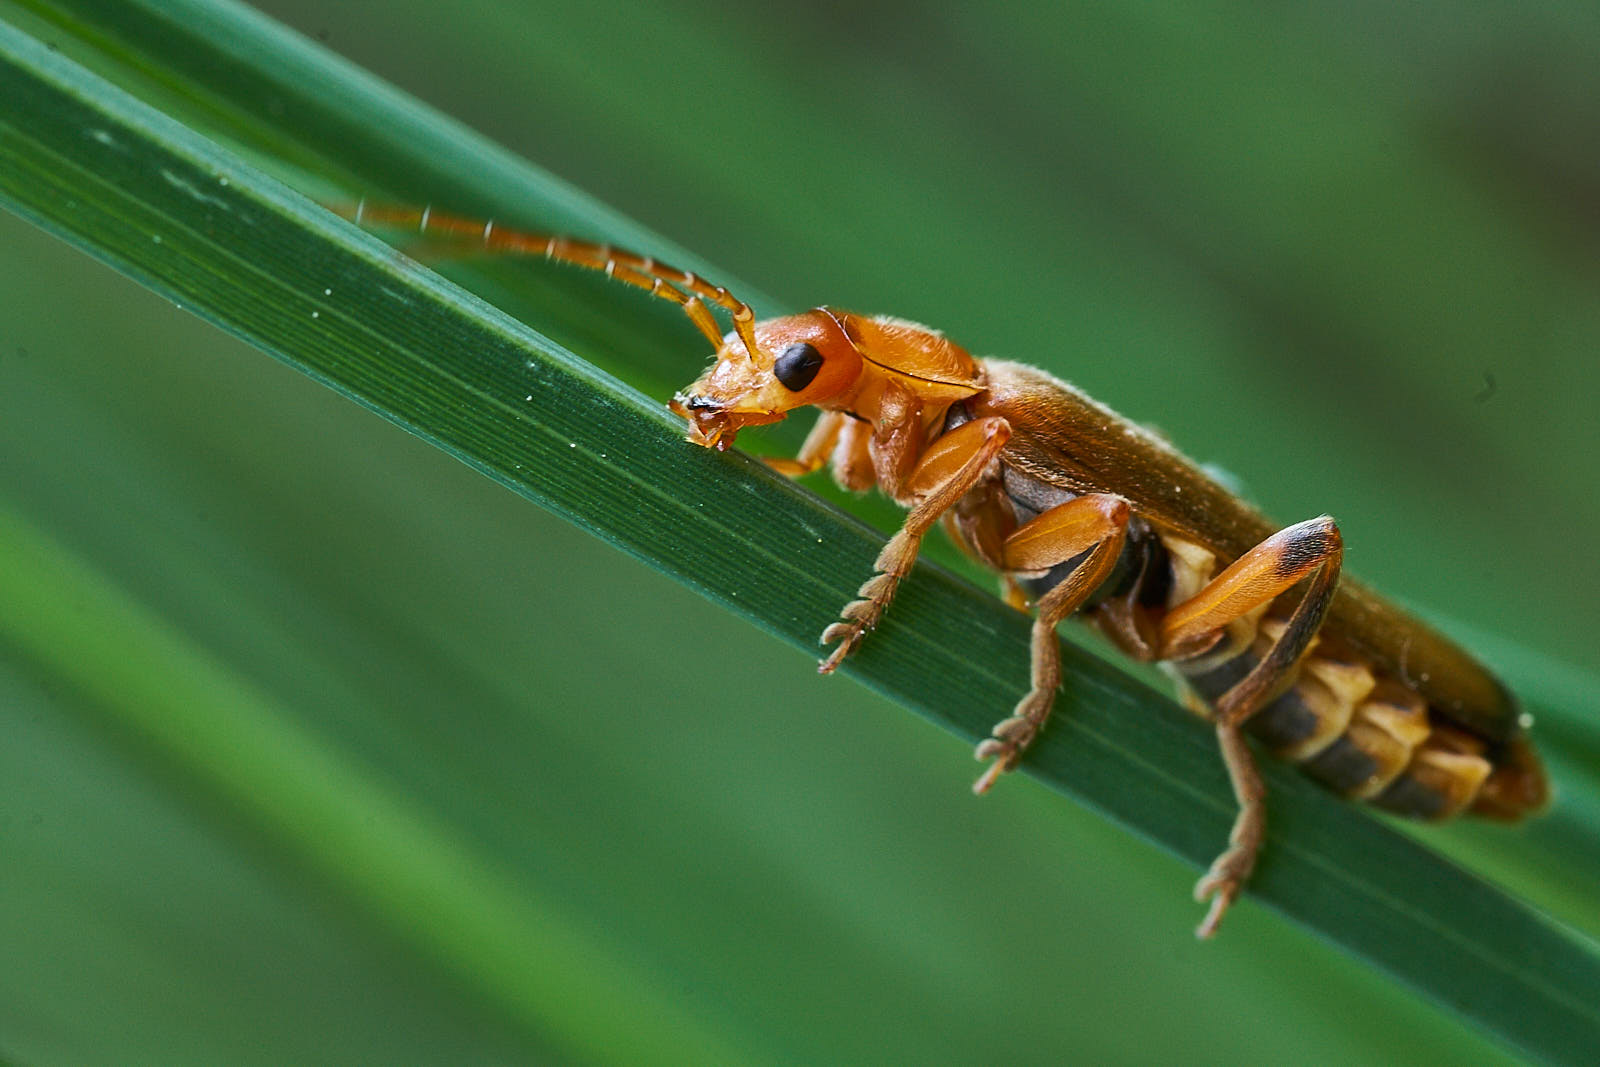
(799, 360)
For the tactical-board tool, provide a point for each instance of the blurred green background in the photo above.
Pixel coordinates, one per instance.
(1347, 252)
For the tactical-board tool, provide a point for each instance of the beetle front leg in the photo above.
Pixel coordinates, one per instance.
(947, 470)
(1310, 550)
(816, 448)
(1094, 528)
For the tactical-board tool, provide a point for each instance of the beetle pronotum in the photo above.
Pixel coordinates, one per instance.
(1083, 512)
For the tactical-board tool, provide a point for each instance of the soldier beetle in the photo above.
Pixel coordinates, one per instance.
(1083, 512)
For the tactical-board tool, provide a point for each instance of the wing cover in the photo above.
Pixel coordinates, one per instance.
(1062, 437)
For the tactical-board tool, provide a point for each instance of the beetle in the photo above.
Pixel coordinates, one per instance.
(1083, 512)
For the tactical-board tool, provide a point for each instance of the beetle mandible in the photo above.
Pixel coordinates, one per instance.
(1084, 512)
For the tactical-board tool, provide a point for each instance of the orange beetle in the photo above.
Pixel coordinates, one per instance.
(1082, 511)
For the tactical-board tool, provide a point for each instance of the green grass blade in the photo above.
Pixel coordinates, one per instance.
(200, 225)
(399, 860)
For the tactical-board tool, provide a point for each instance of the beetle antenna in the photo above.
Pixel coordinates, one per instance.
(682, 287)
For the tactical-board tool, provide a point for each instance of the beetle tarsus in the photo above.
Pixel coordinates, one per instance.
(858, 617)
(1018, 730)
(1009, 739)
(1221, 885)
(848, 635)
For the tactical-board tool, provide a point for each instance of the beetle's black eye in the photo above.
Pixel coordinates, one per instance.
(796, 366)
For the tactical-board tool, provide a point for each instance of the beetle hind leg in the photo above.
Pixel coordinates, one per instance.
(1230, 871)
(1310, 552)
(1087, 532)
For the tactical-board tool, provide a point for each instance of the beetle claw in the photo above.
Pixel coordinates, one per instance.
(848, 635)
(990, 776)
(1006, 754)
(1221, 884)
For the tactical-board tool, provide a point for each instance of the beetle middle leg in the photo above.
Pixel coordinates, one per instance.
(1090, 529)
(1310, 550)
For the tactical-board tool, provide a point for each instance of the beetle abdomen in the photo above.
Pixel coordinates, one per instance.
(1365, 735)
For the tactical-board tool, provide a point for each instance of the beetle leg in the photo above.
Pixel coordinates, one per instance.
(899, 449)
(839, 440)
(1090, 529)
(1229, 872)
(852, 457)
(1268, 570)
(948, 468)
(1308, 550)
(814, 452)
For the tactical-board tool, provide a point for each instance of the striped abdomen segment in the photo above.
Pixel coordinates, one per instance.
(1359, 733)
